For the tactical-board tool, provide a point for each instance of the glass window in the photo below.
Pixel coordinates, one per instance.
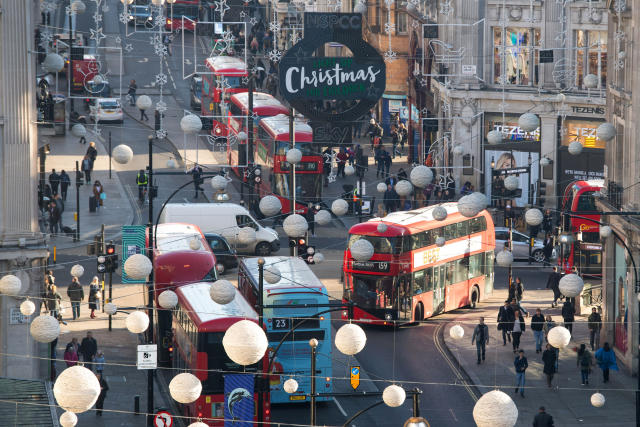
(450, 272)
(591, 56)
(586, 202)
(476, 225)
(461, 229)
(373, 291)
(401, 18)
(246, 221)
(475, 265)
(461, 270)
(450, 231)
(515, 56)
(382, 245)
(418, 282)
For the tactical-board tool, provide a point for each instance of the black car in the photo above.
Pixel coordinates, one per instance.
(196, 92)
(225, 254)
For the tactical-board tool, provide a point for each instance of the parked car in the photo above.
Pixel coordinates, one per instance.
(225, 254)
(106, 110)
(196, 92)
(140, 15)
(520, 244)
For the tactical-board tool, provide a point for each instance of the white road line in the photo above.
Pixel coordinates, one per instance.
(453, 415)
(342, 411)
(170, 74)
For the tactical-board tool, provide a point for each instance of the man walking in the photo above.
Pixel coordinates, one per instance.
(88, 349)
(76, 295)
(542, 419)
(506, 318)
(553, 283)
(54, 181)
(537, 324)
(196, 172)
(594, 323)
(133, 87)
(65, 181)
(481, 339)
(568, 313)
(521, 366)
(142, 181)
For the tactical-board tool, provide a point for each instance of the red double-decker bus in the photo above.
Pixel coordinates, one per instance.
(182, 14)
(271, 147)
(264, 105)
(218, 85)
(199, 325)
(585, 253)
(410, 277)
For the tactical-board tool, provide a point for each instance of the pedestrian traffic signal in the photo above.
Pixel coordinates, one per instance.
(102, 262)
(112, 257)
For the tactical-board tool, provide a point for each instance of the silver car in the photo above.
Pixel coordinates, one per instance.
(520, 244)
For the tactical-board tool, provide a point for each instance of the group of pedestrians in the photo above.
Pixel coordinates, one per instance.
(51, 298)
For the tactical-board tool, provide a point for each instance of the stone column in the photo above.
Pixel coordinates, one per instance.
(548, 147)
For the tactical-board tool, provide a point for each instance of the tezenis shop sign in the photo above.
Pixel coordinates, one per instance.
(305, 77)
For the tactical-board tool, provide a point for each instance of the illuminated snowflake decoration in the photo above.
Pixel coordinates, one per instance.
(161, 134)
(274, 26)
(335, 4)
(502, 80)
(48, 7)
(96, 35)
(424, 81)
(390, 55)
(253, 20)
(563, 130)
(155, 39)
(619, 36)
(389, 27)
(618, 64)
(295, 38)
(161, 79)
(161, 50)
(446, 108)
(161, 106)
(46, 37)
(128, 47)
(424, 112)
(388, 3)
(124, 17)
(620, 6)
(243, 14)
(105, 8)
(445, 8)
(415, 24)
(245, 80)
(275, 55)
(444, 181)
(331, 178)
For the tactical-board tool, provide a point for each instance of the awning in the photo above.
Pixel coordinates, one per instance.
(393, 96)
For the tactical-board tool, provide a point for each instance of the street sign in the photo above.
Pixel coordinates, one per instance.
(468, 70)
(163, 419)
(147, 356)
(355, 377)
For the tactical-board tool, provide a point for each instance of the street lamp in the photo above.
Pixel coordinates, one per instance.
(416, 422)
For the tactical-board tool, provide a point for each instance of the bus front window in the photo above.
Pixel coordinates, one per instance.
(371, 292)
(381, 245)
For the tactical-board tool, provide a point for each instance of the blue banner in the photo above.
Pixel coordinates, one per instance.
(238, 400)
(134, 240)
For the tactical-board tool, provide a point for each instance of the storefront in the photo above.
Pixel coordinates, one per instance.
(620, 305)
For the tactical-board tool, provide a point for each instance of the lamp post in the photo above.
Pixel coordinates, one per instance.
(78, 184)
(260, 309)
(313, 343)
(150, 287)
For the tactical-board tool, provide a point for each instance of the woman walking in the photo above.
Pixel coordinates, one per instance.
(549, 360)
(584, 362)
(98, 193)
(104, 388)
(70, 356)
(606, 360)
(94, 289)
(518, 329)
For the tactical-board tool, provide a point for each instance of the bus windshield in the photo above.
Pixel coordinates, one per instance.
(381, 245)
(373, 292)
(308, 185)
(587, 202)
(187, 10)
(307, 148)
(217, 360)
(229, 82)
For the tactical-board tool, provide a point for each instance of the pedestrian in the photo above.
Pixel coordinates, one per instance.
(143, 115)
(404, 137)
(395, 140)
(60, 204)
(133, 88)
(94, 296)
(547, 249)
(54, 218)
(310, 216)
(519, 289)
(157, 116)
(99, 194)
(466, 189)
(542, 419)
(88, 349)
(166, 41)
(537, 324)
(606, 359)
(481, 339)
(196, 173)
(76, 295)
(547, 222)
(515, 305)
(53, 301)
(99, 361)
(594, 323)
(54, 181)
(371, 131)
(521, 365)
(568, 313)
(85, 167)
(518, 329)
(390, 200)
(65, 181)
(387, 162)
(70, 356)
(104, 388)
(48, 281)
(142, 181)
(92, 152)
(549, 360)
(379, 158)
(342, 161)
(76, 345)
(505, 321)
(553, 283)
(584, 362)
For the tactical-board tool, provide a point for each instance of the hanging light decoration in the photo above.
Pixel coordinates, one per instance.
(469, 206)
(458, 150)
(137, 322)
(494, 137)
(456, 332)
(545, 161)
(272, 274)
(172, 164)
(27, 308)
(404, 188)
(76, 389)
(242, 136)
(381, 187)
(511, 182)
(528, 122)
(219, 183)
(168, 299)
(382, 228)
(575, 148)
(421, 176)
(606, 132)
(78, 130)
(270, 205)
(590, 81)
(138, 267)
(222, 292)
(439, 213)
(362, 250)
(394, 396)
(559, 337)
(77, 270)
(185, 388)
(295, 225)
(318, 258)
(68, 419)
(198, 424)
(571, 285)
(339, 207)
(294, 156)
(323, 217)
(504, 258)
(533, 217)
(495, 409)
(605, 231)
(122, 154)
(440, 241)
(350, 339)
(110, 308)
(10, 285)
(245, 342)
(190, 124)
(78, 6)
(195, 244)
(360, 7)
(349, 170)
(45, 328)
(598, 400)
(290, 386)
(53, 63)
(143, 102)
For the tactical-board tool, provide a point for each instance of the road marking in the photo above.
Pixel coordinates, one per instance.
(173, 83)
(453, 415)
(455, 370)
(342, 411)
(143, 60)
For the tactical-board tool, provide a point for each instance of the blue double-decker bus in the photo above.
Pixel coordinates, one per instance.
(297, 286)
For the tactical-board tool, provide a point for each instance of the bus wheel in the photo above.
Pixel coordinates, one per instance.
(263, 249)
(419, 316)
(474, 297)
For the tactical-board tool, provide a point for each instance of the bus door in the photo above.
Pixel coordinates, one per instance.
(438, 288)
(404, 301)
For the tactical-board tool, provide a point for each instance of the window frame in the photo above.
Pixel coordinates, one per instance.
(533, 47)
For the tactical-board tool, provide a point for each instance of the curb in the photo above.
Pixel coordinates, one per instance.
(450, 355)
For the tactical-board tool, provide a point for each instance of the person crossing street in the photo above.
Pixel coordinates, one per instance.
(142, 181)
(481, 339)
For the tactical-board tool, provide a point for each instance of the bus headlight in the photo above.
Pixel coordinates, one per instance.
(388, 316)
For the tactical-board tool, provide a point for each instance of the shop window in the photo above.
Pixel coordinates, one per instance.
(516, 55)
(401, 18)
(591, 56)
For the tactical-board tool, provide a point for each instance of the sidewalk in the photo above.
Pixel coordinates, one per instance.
(570, 404)
(117, 209)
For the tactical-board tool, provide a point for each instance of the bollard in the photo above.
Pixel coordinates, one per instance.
(55, 253)
(136, 404)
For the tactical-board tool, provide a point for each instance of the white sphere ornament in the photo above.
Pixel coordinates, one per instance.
(479, 198)
(137, 322)
(138, 267)
(421, 176)
(528, 122)
(98, 79)
(457, 150)
(290, 386)
(571, 285)
(198, 424)
(318, 258)
(144, 102)
(439, 213)
(339, 207)
(511, 182)
(382, 228)
(534, 217)
(122, 154)
(45, 328)
(245, 342)
(350, 339)
(362, 250)
(605, 231)
(295, 225)
(77, 270)
(27, 308)
(185, 388)
(559, 337)
(360, 7)
(561, 97)
(575, 148)
(394, 396)
(78, 130)
(469, 206)
(110, 308)
(76, 389)
(222, 292)
(246, 235)
(598, 400)
(591, 81)
(349, 170)
(270, 205)
(272, 274)
(456, 332)
(545, 161)
(494, 137)
(381, 187)
(242, 136)
(10, 285)
(194, 244)
(495, 409)
(411, 7)
(440, 241)
(323, 217)
(168, 299)
(53, 63)
(219, 183)
(294, 156)
(404, 188)
(606, 132)
(68, 419)
(504, 258)
(78, 6)
(190, 124)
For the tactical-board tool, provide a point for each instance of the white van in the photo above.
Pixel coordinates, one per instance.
(225, 219)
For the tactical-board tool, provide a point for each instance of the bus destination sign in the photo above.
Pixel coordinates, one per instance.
(370, 266)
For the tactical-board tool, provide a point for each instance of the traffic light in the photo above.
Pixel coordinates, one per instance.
(302, 246)
(293, 242)
(542, 192)
(112, 257)
(102, 262)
